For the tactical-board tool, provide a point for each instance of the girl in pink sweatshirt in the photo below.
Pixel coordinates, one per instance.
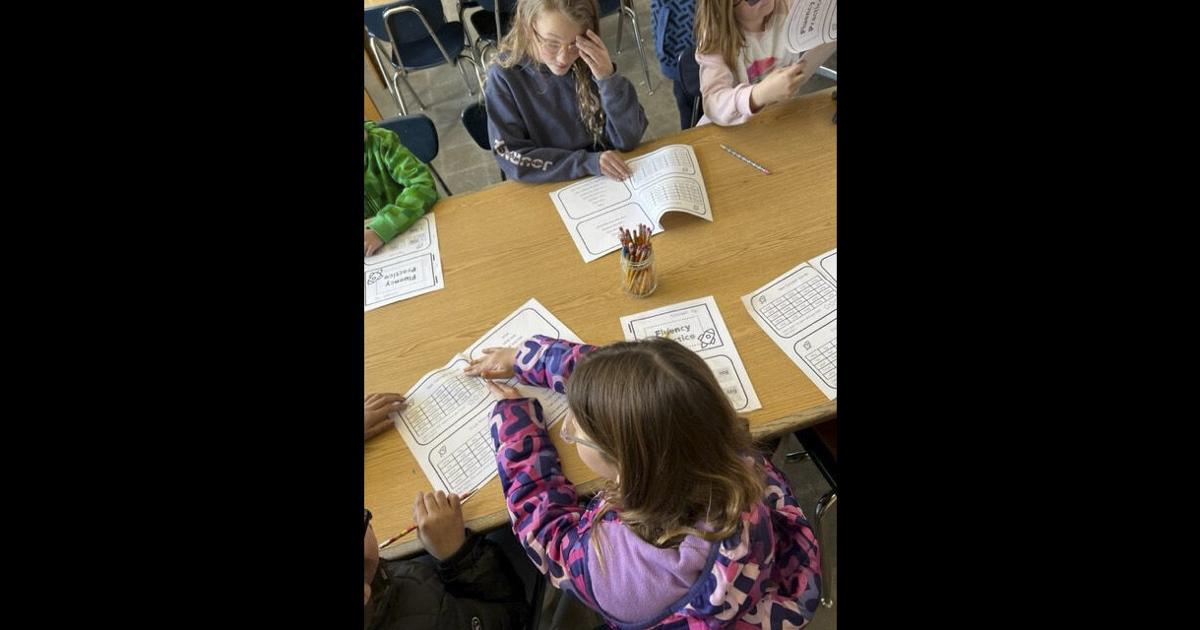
(745, 64)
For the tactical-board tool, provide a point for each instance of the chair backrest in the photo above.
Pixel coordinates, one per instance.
(608, 7)
(416, 132)
(474, 118)
(506, 6)
(405, 25)
(689, 72)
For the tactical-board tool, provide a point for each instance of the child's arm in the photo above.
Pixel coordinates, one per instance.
(542, 504)
(516, 153)
(418, 195)
(479, 570)
(625, 118)
(548, 362)
(726, 102)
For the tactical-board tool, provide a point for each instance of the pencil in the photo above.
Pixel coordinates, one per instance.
(745, 159)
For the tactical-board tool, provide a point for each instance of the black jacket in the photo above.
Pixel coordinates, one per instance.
(475, 589)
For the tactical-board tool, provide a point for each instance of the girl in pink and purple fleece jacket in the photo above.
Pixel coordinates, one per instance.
(694, 529)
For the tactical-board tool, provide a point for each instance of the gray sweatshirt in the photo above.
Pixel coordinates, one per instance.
(535, 128)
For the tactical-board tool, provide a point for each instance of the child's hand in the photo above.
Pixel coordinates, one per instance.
(502, 391)
(780, 84)
(439, 522)
(613, 166)
(496, 363)
(595, 54)
(376, 408)
(371, 242)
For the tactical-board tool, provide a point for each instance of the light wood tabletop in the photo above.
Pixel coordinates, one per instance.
(506, 243)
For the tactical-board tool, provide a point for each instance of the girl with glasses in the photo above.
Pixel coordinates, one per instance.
(693, 528)
(557, 109)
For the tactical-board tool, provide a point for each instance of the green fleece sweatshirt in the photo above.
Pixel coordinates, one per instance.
(397, 187)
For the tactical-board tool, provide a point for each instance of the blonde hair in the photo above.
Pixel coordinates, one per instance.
(520, 45)
(658, 413)
(717, 29)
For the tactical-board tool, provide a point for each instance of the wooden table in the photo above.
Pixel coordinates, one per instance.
(505, 244)
(370, 112)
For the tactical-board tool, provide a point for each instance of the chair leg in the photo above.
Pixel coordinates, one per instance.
(798, 456)
(440, 181)
(637, 34)
(414, 92)
(396, 95)
(620, 25)
(823, 505)
(389, 78)
(466, 81)
(479, 81)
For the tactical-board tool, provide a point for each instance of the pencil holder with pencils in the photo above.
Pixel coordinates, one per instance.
(638, 277)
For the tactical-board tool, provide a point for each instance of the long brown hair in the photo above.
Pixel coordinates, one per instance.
(717, 29)
(656, 410)
(520, 45)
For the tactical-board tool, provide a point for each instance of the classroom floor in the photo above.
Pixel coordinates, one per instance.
(464, 166)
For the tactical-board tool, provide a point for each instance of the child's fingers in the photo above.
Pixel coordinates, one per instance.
(377, 429)
(431, 504)
(618, 165)
(495, 389)
(623, 166)
(588, 57)
(455, 502)
(478, 367)
(389, 399)
(419, 510)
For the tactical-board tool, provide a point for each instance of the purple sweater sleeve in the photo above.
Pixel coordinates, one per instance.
(542, 503)
(547, 362)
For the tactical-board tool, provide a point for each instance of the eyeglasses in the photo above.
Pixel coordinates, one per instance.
(366, 521)
(552, 48)
(568, 435)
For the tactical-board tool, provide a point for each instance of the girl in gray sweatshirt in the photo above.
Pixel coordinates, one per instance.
(556, 107)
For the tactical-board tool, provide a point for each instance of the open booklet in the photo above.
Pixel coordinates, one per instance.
(408, 266)
(811, 23)
(666, 180)
(446, 423)
(798, 310)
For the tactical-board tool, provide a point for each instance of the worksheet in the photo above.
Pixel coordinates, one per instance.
(798, 310)
(446, 421)
(408, 266)
(811, 23)
(666, 180)
(698, 325)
